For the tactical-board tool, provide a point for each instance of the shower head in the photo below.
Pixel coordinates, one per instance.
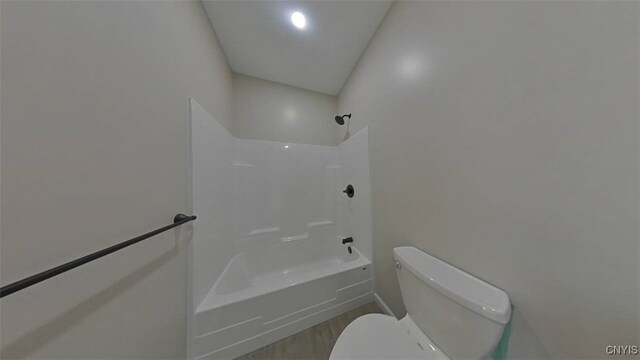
(340, 119)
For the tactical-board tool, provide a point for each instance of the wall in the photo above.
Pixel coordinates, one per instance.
(265, 110)
(504, 140)
(94, 151)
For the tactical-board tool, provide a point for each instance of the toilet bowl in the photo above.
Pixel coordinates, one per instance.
(450, 315)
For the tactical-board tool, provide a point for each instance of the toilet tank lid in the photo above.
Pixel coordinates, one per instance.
(468, 291)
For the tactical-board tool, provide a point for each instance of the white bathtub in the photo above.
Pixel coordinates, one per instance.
(264, 296)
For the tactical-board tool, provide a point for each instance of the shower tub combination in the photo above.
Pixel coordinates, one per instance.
(267, 255)
(249, 308)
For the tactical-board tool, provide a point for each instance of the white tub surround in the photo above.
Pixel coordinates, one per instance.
(276, 264)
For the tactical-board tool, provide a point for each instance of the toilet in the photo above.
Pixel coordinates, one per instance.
(450, 315)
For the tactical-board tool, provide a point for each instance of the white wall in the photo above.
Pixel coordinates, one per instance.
(94, 151)
(265, 110)
(504, 140)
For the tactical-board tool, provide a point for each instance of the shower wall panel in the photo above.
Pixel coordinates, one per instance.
(355, 213)
(212, 148)
(284, 194)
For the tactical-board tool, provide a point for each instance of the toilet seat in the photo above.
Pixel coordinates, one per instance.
(377, 336)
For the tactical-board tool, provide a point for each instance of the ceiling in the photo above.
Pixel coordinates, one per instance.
(259, 39)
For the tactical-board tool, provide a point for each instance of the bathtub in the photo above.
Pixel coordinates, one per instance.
(264, 296)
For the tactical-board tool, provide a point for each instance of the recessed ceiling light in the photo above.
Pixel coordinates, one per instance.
(298, 20)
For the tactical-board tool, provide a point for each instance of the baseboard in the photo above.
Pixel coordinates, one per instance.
(382, 305)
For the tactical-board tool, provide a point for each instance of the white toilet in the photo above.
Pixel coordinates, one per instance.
(450, 315)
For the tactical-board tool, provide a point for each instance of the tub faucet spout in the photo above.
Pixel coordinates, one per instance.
(348, 240)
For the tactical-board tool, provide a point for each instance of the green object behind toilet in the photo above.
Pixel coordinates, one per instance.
(502, 348)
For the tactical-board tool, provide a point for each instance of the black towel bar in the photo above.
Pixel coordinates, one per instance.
(42, 276)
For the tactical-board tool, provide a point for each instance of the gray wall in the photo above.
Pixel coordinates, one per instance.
(265, 110)
(94, 151)
(504, 140)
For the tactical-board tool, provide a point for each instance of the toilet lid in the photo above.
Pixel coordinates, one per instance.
(376, 336)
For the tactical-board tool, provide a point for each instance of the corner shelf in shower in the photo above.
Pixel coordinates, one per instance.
(264, 231)
(319, 223)
(295, 238)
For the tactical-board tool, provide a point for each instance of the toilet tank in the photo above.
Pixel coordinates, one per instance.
(463, 315)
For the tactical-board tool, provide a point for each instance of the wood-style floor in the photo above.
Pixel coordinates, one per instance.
(313, 343)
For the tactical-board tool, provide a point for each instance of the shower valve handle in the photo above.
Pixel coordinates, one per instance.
(349, 191)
